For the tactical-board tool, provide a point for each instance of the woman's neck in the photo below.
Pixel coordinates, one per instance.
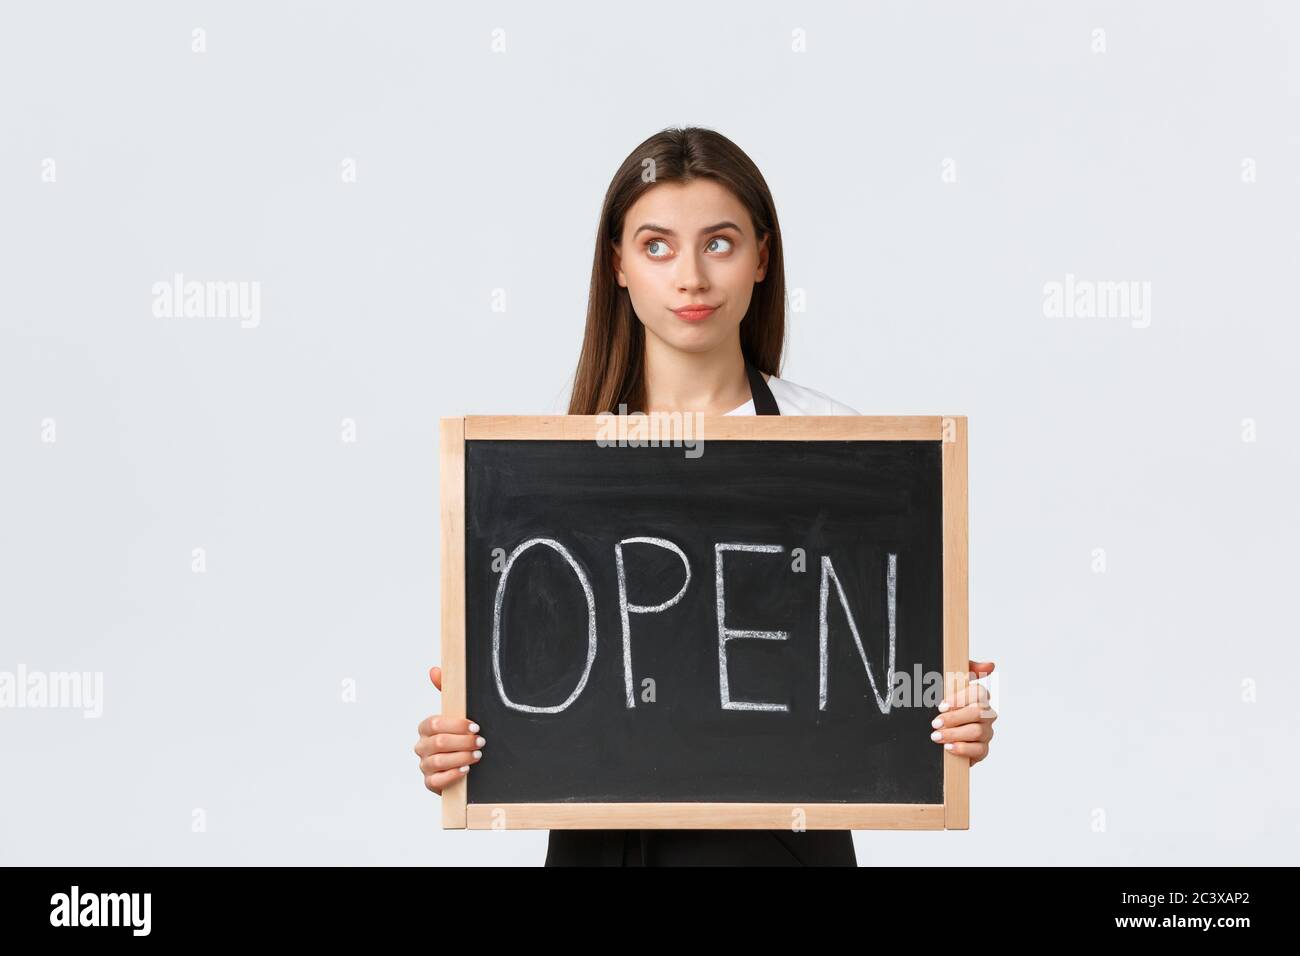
(712, 383)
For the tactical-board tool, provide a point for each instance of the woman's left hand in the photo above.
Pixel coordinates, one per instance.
(965, 722)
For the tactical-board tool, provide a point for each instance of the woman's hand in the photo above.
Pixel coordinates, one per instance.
(446, 747)
(965, 721)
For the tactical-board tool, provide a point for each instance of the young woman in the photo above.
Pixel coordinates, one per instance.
(687, 313)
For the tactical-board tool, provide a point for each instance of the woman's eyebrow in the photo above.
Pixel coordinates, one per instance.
(668, 232)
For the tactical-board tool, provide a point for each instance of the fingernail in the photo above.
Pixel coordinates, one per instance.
(947, 746)
(479, 742)
(937, 722)
(936, 736)
(478, 754)
(944, 706)
(464, 768)
(473, 728)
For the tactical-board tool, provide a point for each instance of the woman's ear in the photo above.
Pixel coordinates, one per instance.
(618, 267)
(762, 259)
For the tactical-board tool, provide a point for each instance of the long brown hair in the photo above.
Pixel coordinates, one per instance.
(611, 366)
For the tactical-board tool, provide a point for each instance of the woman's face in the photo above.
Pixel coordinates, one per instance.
(690, 244)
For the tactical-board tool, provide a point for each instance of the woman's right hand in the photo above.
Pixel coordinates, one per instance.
(448, 746)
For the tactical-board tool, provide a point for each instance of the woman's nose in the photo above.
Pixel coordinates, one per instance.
(691, 273)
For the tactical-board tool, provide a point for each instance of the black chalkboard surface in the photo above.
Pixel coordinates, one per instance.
(641, 627)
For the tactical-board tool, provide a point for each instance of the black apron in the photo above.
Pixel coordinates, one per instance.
(705, 847)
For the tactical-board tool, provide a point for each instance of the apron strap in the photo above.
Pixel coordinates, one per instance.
(764, 403)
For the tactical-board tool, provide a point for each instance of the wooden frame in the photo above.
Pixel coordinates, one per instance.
(952, 814)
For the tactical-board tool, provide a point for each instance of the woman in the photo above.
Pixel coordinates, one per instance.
(687, 313)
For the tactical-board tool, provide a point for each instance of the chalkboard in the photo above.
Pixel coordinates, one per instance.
(653, 638)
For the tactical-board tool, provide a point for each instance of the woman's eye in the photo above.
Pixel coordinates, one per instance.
(649, 246)
(721, 239)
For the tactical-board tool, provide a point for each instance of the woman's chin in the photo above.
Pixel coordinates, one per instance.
(694, 337)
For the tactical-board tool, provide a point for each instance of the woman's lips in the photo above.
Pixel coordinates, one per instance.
(695, 313)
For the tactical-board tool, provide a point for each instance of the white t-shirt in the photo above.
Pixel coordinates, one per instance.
(794, 399)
